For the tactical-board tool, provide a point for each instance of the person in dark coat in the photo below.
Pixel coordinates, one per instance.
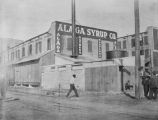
(72, 86)
(145, 83)
(153, 85)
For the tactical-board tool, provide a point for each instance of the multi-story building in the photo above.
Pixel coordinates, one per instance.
(148, 46)
(6, 43)
(54, 47)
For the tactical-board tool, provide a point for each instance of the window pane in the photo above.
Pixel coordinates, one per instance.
(89, 46)
(147, 53)
(145, 40)
(48, 44)
(36, 48)
(141, 52)
(23, 52)
(124, 44)
(30, 50)
(69, 43)
(133, 42)
(107, 46)
(118, 45)
(40, 47)
(133, 53)
(155, 35)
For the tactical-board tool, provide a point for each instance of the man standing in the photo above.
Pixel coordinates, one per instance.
(153, 84)
(72, 86)
(145, 83)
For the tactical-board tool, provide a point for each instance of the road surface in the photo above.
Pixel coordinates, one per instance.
(23, 106)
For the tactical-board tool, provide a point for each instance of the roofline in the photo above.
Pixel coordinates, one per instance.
(130, 35)
(29, 39)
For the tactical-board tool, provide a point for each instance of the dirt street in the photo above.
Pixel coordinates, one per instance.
(22, 106)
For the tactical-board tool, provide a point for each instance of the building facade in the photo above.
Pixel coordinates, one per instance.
(148, 46)
(26, 59)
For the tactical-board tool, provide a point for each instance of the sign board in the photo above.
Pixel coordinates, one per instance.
(82, 31)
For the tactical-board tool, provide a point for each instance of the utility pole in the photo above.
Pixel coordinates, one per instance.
(137, 50)
(74, 42)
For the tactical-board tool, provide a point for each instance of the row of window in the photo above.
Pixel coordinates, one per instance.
(143, 41)
(38, 49)
(89, 42)
(143, 52)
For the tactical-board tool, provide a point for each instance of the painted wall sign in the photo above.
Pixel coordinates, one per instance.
(79, 45)
(83, 31)
(58, 43)
(99, 48)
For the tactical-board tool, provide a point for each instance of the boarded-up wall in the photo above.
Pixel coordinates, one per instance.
(28, 73)
(102, 79)
(10, 75)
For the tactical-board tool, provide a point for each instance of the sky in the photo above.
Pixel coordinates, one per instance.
(24, 19)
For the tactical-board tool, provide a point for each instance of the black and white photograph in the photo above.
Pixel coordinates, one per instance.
(78, 59)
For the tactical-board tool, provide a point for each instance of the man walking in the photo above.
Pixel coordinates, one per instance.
(72, 86)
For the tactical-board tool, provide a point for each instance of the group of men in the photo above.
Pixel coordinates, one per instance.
(150, 85)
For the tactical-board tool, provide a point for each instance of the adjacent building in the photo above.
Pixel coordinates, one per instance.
(148, 46)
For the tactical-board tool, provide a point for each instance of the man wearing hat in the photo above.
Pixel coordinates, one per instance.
(72, 86)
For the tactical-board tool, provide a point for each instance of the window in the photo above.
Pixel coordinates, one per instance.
(69, 43)
(147, 54)
(124, 44)
(30, 50)
(145, 40)
(48, 44)
(141, 52)
(133, 42)
(36, 48)
(23, 51)
(133, 53)
(118, 45)
(107, 46)
(18, 53)
(155, 36)
(40, 47)
(141, 43)
(12, 56)
(89, 46)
